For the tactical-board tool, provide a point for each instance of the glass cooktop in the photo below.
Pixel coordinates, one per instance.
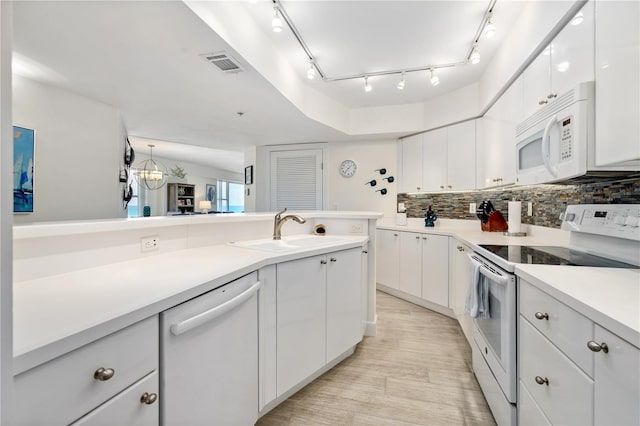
(550, 255)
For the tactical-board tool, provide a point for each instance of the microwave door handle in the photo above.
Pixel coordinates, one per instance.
(546, 146)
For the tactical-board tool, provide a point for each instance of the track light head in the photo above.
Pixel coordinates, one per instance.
(474, 57)
(435, 80)
(367, 86)
(311, 72)
(276, 23)
(489, 29)
(401, 82)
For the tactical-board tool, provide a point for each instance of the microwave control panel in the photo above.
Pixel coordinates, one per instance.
(566, 138)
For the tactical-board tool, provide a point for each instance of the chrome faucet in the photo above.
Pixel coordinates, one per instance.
(279, 221)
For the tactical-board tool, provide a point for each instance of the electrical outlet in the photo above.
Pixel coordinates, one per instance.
(401, 208)
(149, 243)
(529, 208)
(472, 207)
(355, 228)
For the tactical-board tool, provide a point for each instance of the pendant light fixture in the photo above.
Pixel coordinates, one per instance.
(151, 173)
(435, 80)
(489, 29)
(367, 86)
(311, 72)
(474, 57)
(276, 23)
(401, 82)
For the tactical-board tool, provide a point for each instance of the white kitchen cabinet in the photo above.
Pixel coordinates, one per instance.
(567, 61)
(435, 269)
(365, 287)
(388, 258)
(461, 156)
(267, 336)
(459, 279)
(301, 320)
(136, 406)
(434, 160)
(496, 139)
(617, 377)
(344, 301)
(411, 263)
(68, 387)
(411, 179)
(617, 67)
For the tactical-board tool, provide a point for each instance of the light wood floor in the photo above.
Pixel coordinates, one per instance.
(416, 371)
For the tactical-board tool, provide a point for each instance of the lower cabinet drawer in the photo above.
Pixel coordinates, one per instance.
(561, 390)
(68, 387)
(135, 406)
(529, 414)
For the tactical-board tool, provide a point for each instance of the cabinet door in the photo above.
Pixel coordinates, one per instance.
(434, 160)
(411, 164)
(267, 336)
(460, 279)
(435, 269)
(461, 156)
(617, 84)
(126, 408)
(617, 377)
(387, 258)
(344, 301)
(411, 263)
(537, 82)
(301, 320)
(572, 53)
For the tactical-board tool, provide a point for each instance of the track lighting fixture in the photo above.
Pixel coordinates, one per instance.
(401, 82)
(367, 86)
(311, 72)
(577, 20)
(276, 23)
(489, 29)
(435, 80)
(475, 56)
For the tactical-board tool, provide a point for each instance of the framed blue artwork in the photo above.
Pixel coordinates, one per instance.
(211, 194)
(23, 169)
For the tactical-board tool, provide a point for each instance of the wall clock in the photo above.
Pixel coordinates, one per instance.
(348, 168)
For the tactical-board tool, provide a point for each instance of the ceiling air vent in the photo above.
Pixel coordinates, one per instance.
(223, 61)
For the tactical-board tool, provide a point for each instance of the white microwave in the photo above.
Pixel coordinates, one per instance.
(557, 143)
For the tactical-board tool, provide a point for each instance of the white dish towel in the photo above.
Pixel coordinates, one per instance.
(477, 300)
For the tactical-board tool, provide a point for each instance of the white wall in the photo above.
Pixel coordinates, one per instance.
(352, 193)
(78, 153)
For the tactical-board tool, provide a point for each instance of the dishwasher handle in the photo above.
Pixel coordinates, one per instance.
(213, 313)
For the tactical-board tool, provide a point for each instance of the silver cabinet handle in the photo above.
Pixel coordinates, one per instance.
(333, 259)
(542, 102)
(449, 186)
(418, 188)
(441, 186)
(597, 347)
(541, 316)
(395, 235)
(148, 398)
(551, 95)
(323, 262)
(424, 238)
(103, 374)
(417, 237)
(542, 380)
(365, 251)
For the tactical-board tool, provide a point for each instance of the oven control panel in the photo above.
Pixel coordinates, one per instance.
(613, 220)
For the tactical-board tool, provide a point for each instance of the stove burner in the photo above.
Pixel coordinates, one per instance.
(549, 255)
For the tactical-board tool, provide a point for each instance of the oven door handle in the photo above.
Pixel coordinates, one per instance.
(502, 280)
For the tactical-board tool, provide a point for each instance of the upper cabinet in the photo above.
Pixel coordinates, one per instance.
(617, 62)
(567, 61)
(440, 160)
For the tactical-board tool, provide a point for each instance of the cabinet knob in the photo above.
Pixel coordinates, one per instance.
(542, 102)
(395, 235)
(597, 347)
(418, 188)
(365, 251)
(494, 180)
(424, 238)
(441, 186)
(417, 237)
(103, 374)
(449, 186)
(333, 259)
(148, 398)
(323, 262)
(541, 316)
(542, 380)
(460, 248)
(551, 95)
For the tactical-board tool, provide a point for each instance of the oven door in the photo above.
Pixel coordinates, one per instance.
(496, 335)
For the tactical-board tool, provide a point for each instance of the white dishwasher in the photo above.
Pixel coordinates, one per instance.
(209, 357)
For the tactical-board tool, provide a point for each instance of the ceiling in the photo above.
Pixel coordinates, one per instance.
(143, 57)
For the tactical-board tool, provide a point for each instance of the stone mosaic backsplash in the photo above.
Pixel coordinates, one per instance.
(548, 200)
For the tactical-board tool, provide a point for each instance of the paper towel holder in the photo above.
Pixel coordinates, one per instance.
(515, 234)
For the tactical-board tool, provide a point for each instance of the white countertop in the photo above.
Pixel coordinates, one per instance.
(59, 313)
(608, 296)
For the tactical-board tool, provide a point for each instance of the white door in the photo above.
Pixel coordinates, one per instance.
(344, 301)
(411, 263)
(435, 269)
(297, 180)
(387, 257)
